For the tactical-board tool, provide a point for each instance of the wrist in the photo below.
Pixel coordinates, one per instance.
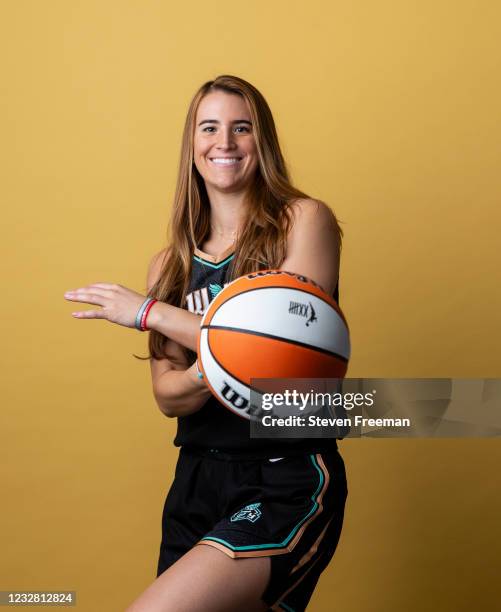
(156, 315)
(196, 377)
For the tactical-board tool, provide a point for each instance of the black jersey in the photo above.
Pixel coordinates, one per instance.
(214, 426)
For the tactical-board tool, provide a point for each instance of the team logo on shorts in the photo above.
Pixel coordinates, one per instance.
(249, 513)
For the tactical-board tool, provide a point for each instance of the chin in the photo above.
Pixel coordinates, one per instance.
(227, 186)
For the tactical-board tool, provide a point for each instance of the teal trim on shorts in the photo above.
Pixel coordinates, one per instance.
(211, 265)
(285, 607)
(294, 530)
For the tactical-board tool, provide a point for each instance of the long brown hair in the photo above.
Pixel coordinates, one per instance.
(263, 244)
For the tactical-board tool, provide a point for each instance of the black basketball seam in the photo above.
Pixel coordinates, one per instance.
(222, 366)
(250, 387)
(271, 336)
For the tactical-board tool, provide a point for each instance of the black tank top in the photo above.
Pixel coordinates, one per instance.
(214, 427)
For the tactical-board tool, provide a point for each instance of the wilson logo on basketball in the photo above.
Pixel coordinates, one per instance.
(303, 310)
(239, 403)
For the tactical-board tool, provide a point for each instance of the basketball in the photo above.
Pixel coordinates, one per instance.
(270, 324)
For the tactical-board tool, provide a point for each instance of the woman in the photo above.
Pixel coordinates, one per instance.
(248, 524)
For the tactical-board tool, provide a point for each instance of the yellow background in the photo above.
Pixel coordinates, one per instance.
(388, 111)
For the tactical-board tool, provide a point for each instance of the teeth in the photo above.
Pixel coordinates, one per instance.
(225, 160)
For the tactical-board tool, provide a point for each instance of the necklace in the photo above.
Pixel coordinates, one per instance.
(232, 236)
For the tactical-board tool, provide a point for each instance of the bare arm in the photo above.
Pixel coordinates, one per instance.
(313, 244)
(175, 323)
(177, 389)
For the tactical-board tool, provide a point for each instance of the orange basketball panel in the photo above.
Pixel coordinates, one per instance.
(247, 356)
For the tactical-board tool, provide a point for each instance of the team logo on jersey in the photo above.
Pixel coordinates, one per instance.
(198, 300)
(303, 310)
(214, 289)
(249, 513)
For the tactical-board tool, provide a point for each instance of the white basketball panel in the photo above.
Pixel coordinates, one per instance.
(290, 314)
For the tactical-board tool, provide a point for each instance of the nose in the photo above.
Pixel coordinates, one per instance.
(226, 139)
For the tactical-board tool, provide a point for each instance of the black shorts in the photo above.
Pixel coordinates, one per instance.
(289, 509)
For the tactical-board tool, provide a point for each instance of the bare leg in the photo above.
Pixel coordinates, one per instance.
(207, 580)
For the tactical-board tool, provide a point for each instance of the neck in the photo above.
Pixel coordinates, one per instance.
(228, 211)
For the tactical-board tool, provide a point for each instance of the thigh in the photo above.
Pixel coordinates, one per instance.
(207, 580)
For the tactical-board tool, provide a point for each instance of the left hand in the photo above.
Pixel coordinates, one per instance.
(119, 304)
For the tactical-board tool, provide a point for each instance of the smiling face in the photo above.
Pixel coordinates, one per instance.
(224, 148)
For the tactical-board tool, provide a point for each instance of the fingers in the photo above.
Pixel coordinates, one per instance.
(86, 294)
(87, 297)
(89, 314)
(94, 296)
(109, 286)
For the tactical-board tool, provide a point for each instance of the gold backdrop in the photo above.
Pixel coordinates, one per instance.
(389, 112)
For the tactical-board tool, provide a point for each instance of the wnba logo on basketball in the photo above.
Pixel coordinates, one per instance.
(244, 335)
(303, 310)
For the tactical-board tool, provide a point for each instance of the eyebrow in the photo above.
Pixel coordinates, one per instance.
(216, 121)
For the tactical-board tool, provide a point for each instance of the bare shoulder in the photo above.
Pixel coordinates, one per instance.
(308, 205)
(155, 267)
(309, 210)
(313, 217)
